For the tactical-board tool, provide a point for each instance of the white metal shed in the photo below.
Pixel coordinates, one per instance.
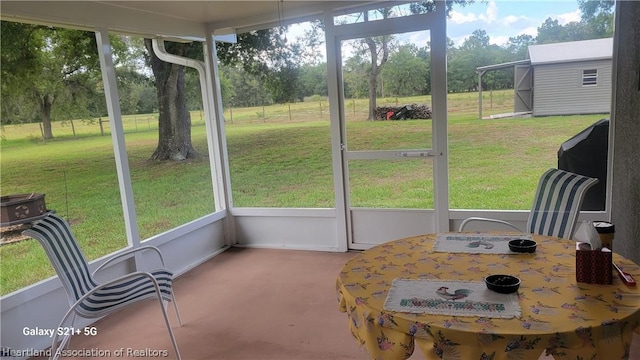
(561, 78)
(572, 77)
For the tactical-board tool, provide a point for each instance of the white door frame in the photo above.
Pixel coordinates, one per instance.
(435, 22)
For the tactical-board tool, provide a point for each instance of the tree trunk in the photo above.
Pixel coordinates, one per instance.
(373, 84)
(174, 120)
(46, 102)
(375, 70)
(373, 77)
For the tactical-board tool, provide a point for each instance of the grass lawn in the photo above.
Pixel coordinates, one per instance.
(280, 156)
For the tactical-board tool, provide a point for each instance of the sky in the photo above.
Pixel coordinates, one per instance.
(502, 19)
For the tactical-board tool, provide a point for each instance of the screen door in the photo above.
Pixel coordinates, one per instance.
(393, 166)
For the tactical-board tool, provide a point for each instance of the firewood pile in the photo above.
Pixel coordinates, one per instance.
(413, 111)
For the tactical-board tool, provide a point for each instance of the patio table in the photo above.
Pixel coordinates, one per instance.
(569, 320)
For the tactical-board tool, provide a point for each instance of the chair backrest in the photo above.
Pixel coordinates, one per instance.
(557, 203)
(55, 236)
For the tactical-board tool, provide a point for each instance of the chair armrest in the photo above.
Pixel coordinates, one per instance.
(132, 275)
(129, 253)
(480, 219)
(118, 279)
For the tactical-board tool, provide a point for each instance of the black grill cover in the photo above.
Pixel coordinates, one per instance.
(586, 154)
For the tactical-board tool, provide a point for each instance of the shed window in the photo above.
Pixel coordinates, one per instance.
(590, 77)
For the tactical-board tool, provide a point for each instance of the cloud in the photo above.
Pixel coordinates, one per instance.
(420, 38)
(489, 16)
(459, 18)
(504, 39)
(532, 30)
(566, 18)
(499, 40)
(502, 19)
(512, 19)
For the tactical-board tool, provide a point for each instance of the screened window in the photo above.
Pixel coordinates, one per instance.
(74, 168)
(170, 187)
(590, 77)
(278, 130)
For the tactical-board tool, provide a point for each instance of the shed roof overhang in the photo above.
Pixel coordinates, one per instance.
(483, 69)
(507, 65)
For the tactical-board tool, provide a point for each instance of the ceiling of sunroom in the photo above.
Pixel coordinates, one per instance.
(188, 19)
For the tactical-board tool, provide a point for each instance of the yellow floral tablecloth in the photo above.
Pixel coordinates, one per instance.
(568, 319)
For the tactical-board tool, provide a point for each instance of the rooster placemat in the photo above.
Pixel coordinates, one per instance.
(458, 298)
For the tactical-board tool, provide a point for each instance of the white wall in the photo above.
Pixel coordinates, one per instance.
(300, 229)
(558, 90)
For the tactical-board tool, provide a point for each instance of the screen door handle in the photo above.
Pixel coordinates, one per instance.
(418, 154)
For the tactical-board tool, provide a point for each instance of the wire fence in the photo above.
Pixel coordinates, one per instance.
(280, 113)
(299, 112)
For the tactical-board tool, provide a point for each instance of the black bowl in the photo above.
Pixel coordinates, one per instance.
(504, 284)
(522, 245)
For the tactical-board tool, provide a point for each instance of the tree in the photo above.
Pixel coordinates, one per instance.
(597, 15)
(596, 22)
(519, 46)
(430, 6)
(379, 46)
(551, 32)
(355, 77)
(254, 51)
(478, 40)
(405, 72)
(474, 52)
(375, 49)
(378, 55)
(282, 79)
(283, 84)
(593, 8)
(424, 54)
(147, 99)
(265, 67)
(19, 58)
(174, 120)
(47, 66)
(242, 89)
(268, 57)
(313, 80)
(134, 83)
